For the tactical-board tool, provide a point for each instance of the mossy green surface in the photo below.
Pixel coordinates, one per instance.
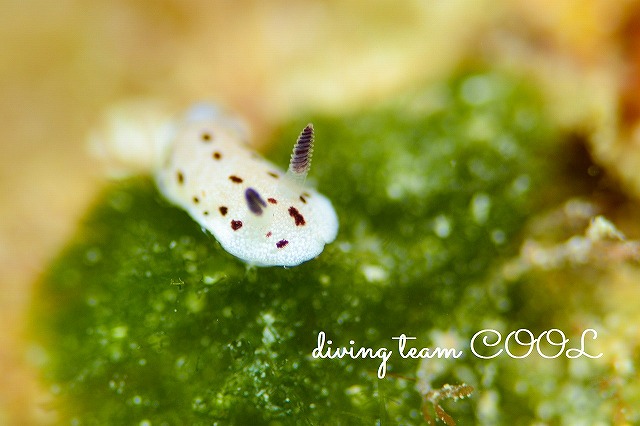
(145, 319)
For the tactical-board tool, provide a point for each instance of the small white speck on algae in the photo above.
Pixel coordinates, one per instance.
(119, 332)
(498, 236)
(374, 273)
(213, 278)
(442, 226)
(480, 207)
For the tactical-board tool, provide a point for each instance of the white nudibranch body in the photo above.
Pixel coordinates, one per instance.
(257, 212)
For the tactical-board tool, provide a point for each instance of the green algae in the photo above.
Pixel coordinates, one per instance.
(145, 319)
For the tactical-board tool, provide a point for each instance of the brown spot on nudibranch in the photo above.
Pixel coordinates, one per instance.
(206, 212)
(273, 175)
(295, 214)
(280, 244)
(303, 199)
(235, 179)
(180, 177)
(196, 200)
(236, 224)
(217, 155)
(206, 136)
(272, 200)
(223, 210)
(269, 234)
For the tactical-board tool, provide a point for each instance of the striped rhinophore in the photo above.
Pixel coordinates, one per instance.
(302, 151)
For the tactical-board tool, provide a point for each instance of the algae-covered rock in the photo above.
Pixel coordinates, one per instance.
(146, 320)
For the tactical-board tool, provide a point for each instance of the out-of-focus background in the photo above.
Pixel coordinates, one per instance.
(63, 63)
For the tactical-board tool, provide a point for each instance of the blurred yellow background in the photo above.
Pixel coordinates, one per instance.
(62, 63)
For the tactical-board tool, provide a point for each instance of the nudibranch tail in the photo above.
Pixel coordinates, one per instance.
(254, 201)
(301, 157)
